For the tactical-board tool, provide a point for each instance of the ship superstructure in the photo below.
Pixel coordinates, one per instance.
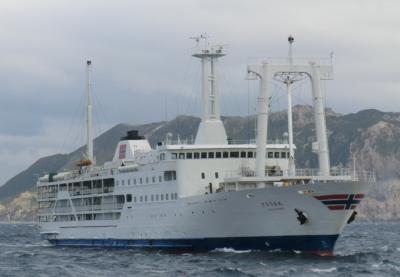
(212, 193)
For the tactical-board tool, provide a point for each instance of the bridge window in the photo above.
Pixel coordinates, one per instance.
(154, 179)
(203, 175)
(181, 156)
(270, 155)
(216, 175)
(120, 199)
(234, 154)
(189, 155)
(169, 175)
(243, 154)
(249, 154)
(218, 155)
(225, 154)
(173, 156)
(63, 187)
(276, 155)
(129, 198)
(196, 155)
(211, 155)
(166, 196)
(204, 155)
(283, 155)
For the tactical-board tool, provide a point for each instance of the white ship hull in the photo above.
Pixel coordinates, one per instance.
(262, 219)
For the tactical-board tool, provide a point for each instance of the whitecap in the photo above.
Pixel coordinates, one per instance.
(377, 265)
(323, 270)
(276, 250)
(230, 250)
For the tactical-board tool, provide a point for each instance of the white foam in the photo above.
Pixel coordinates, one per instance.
(230, 250)
(324, 270)
(378, 265)
(276, 250)
(385, 248)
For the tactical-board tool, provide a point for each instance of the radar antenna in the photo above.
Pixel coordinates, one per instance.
(197, 39)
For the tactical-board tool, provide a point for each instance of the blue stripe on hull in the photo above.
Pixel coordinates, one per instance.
(320, 244)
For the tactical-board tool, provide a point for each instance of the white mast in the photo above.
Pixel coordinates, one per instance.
(89, 146)
(288, 78)
(211, 129)
(289, 81)
(264, 74)
(292, 166)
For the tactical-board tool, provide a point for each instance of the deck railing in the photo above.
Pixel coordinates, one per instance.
(341, 173)
(296, 61)
(83, 208)
(230, 141)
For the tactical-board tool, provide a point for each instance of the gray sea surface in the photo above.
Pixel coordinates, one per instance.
(364, 249)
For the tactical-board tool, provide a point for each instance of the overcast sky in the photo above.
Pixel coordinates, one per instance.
(143, 72)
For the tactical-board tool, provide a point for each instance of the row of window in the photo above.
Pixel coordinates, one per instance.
(168, 176)
(105, 184)
(152, 197)
(223, 155)
(80, 217)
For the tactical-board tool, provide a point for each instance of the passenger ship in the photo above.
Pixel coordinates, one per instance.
(214, 192)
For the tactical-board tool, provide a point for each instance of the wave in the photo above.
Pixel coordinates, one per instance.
(230, 250)
(323, 270)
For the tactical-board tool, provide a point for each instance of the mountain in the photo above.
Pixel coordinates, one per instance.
(369, 139)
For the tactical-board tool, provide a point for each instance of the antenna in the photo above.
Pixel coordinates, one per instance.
(290, 55)
(203, 37)
(89, 149)
(197, 40)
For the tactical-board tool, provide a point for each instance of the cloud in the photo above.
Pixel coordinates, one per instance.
(142, 64)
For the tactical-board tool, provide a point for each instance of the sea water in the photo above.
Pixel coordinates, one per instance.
(364, 249)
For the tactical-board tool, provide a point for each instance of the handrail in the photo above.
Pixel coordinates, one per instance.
(298, 61)
(306, 173)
